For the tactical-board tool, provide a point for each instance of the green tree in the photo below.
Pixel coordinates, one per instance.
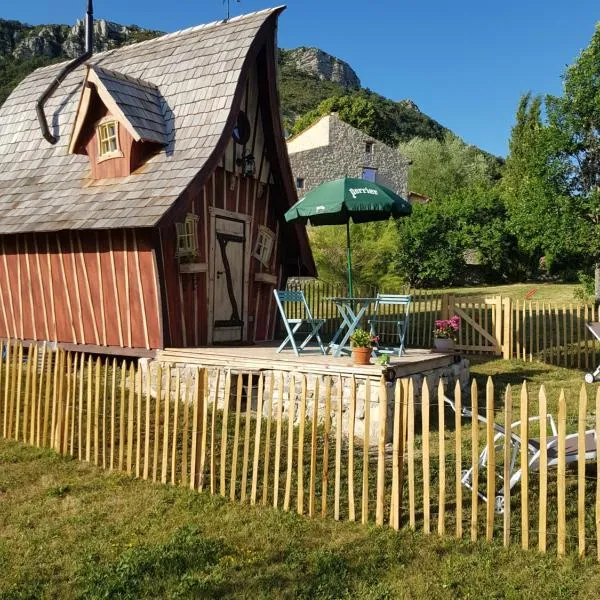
(441, 167)
(574, 126)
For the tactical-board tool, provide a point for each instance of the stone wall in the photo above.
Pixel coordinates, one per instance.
(346, 156)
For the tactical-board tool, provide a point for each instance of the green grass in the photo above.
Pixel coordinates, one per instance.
(536, 292)
(69, 530)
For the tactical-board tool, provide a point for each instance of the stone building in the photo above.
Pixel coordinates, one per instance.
(330, 149)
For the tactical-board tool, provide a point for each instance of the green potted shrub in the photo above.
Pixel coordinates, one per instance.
(362, 346)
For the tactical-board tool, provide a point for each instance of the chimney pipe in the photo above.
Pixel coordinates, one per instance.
(89, 27)
(71, 66)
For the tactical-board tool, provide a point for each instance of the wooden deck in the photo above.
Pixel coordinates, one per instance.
(262, 357)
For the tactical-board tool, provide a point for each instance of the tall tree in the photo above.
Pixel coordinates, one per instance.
(574, 121)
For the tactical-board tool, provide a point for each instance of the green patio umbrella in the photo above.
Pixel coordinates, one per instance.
(336, 202)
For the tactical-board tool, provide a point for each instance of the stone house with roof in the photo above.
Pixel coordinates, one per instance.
(330, 149)
(151, 215)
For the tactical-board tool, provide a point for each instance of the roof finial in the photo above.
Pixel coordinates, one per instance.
(228, 3)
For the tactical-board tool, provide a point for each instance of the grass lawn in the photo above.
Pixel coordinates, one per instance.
(69, 530)
(534, 291)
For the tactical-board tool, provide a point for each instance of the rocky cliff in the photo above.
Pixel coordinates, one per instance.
(19, 41)
(321, 65)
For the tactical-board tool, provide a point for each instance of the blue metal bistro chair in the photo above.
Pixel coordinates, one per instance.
(293, 325)
(399, 319)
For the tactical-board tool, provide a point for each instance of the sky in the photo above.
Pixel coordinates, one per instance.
(465, 63)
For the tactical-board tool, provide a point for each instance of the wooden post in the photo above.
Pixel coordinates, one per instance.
(491, 464)
(257, 439)
(176, 401)
(213, 428)
(80, 447)
(277, 466)
(338, 450)
(410, 449)
(18, 399)
(366, 446)
(313, 452)
(561, 488)
(581, 470)
(147, 428)
(524, 467)
(130, 416)
(458, 458)
(122, 412)
(196, 433)
(203, 408)
(300, 462)
(381, 453)
(442, 459)
(27, 391)
(507, 330)
(326, 434)
(246, 454)
(138, 437)
(351, 424)
(474, 459)
(395, 500)
(543, 469)
(224, 427)
(156, 422)
(507, 458)
(236, 437)
(97, 411)
(290, 453)
(426, 466)
(267, 459)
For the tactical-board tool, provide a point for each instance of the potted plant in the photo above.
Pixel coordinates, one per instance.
(444, 334)
(362, 346)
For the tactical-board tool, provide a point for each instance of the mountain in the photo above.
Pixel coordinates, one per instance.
(308, 75)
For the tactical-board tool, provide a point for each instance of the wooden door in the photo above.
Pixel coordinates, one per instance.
(229, 270)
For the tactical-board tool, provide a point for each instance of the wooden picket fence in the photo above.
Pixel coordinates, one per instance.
(235, 435)
(549, 332)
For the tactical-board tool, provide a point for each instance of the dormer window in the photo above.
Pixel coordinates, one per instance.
(108, 139)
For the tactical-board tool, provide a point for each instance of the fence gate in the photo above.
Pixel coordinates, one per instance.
(481, 322)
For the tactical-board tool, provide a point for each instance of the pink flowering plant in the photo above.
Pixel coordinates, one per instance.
(363, 339)
(447, 328)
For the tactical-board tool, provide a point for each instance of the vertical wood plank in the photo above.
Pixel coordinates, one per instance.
(474, 459)
(581, 470)
(157, 405)
(277, 466)
(7, 363)
(507, 457)
(203, 407)
(395, 500)
(18, 395)
(225, 424)
(365, 456)
(176, 401)
(166, 419)
(491, 459)
(300, 462)
(410, 450)
(257, 439)
(236, 437)
(426, 464)
(130, 416)
(267, 457)
(147, 403)
(524, 467)
(351, 424)
(543, 469)
(25, 428)
(246, 453)
(122, 413)
(338, 450)
(458, 458)
(80, 404)
(442, 459)
(196, 432)
(561, 487)
(98, 377)
(313, 452)
(326, 436)
(290, 454)
(213, 431)
(379, 511)
(138, 437)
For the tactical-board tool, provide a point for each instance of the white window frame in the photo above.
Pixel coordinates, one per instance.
(265, 242)
(187, 237)
(101, 128)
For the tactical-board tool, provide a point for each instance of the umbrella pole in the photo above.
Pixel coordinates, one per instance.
(349, 257)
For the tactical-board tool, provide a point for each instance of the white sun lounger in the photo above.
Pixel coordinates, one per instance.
(533, 451)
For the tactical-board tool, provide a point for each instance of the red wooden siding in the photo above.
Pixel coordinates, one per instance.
(80, 287)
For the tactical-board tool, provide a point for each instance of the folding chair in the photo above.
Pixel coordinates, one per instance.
(595, 331)
(533, 452)
(293, 325)
(400, 321)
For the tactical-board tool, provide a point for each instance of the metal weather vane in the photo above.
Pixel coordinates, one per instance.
(228, 3)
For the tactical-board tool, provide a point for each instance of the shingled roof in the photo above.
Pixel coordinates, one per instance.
(136, 102)
(44, 188)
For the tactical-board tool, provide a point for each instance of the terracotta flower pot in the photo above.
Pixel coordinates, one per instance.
(361, 356)
(443, 344)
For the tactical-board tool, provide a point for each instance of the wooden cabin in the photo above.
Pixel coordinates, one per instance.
(157, 218)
